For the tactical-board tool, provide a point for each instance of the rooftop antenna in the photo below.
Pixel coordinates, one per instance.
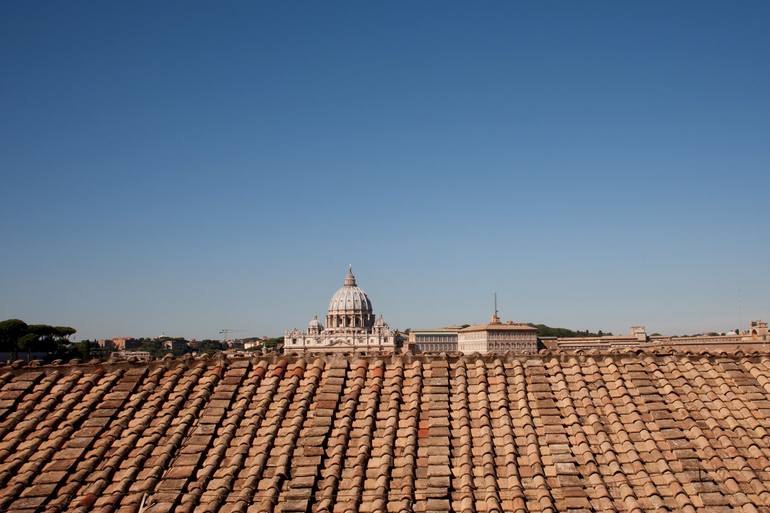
(495, 317)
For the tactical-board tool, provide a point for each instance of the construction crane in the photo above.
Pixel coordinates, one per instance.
(226, 332)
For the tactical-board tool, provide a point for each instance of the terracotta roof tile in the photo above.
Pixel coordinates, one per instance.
(552, 432)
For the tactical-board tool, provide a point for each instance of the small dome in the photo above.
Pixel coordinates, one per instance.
(315, 323)
(350, 298)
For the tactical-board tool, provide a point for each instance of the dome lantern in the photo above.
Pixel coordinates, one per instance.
(350, 279)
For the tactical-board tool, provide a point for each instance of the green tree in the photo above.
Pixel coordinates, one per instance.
(64, 331)
(42, 330)
(16, 335)
(548, 331)
(152, 346)
(84, 349)
(209, 346)
(28, 343)
(11, 331)
(50, 339)
(271, 343)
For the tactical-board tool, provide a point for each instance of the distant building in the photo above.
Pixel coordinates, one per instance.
(637, 337)
(175, 345)
(143, 356)
(433, 340)
(755, 338)
(252, 344)
(497, 337)
(238, 345)
(105, 343)
(350, 326)
(125, 343)
(758, 329)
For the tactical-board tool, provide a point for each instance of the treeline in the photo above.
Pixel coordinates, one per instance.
(271, 343)
(548, 331)
(19, 338)
(157, 346)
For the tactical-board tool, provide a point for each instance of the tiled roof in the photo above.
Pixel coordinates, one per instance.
(551, 432)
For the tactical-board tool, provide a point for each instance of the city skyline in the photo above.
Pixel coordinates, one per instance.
(494, 307)
(184, 169)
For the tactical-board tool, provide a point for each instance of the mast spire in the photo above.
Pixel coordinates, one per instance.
(495, 317)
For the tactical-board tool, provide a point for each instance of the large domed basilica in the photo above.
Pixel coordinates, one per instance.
(350, 325)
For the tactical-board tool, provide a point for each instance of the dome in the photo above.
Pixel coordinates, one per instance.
(350, 298)
(315, 323)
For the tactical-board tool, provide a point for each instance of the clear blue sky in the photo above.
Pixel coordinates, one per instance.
(187, 167)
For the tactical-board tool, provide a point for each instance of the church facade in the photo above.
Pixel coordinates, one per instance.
(351, 326)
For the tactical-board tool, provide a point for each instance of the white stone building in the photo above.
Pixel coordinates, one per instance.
(497, 337)
(438, 340)
(350, 326)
